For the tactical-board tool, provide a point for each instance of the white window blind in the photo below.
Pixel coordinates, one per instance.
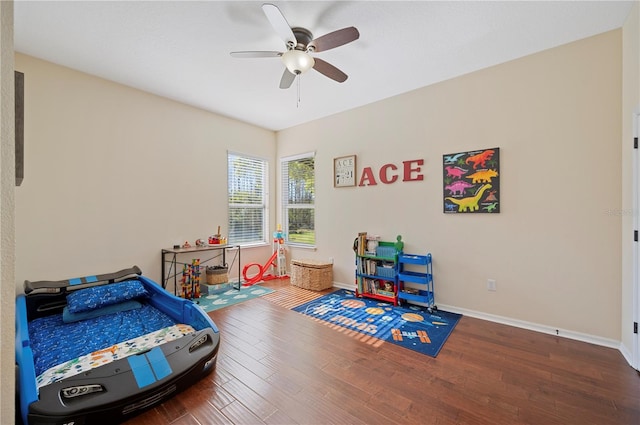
(247, 199)
(298, 199)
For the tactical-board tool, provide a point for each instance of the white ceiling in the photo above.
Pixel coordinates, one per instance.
(180, 49)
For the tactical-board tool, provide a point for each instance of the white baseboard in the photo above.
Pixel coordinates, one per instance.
(550, 330)
(626, 353)
(565, 333)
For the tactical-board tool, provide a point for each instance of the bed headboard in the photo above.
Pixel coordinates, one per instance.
(62, 286)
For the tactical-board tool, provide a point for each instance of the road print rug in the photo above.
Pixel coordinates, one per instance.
(409, 326)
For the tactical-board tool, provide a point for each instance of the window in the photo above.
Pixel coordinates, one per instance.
(247, 199)
(298, 199)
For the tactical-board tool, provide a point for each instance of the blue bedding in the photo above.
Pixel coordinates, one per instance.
(53, 341)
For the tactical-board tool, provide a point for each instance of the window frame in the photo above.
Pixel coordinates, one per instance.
(284, 201)
(264, 205)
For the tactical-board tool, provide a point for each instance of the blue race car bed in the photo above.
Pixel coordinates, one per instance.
(100, 349)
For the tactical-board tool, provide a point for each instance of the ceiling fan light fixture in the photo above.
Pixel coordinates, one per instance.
(297, 61)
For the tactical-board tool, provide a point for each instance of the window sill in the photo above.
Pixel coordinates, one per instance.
(305, 247)
(253, 245)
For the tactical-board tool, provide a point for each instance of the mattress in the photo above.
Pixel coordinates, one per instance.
(54, 342)
(117, 336)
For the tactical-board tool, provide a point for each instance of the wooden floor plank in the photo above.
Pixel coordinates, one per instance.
(277, 366)
(238, 413)
(260, 407)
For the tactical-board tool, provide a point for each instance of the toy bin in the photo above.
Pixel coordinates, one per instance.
(311, 274)
(217, 281)
(388, 272)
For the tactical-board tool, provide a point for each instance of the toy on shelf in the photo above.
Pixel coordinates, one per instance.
(278, 261)
(217, 239)
(185, 282)
(190, 282)
(280, 265)
(195, 280)
(372, 244)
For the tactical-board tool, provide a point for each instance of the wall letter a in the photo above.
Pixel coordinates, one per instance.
(367, 175)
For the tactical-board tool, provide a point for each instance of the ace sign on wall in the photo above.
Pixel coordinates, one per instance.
(344, 171)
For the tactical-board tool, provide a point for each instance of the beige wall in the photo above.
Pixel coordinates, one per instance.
(555, 248)
(630, 106)
(113, 174)
(7, 211)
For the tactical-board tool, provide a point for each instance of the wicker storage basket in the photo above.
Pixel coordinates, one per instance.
(216, 275)
(311, 274)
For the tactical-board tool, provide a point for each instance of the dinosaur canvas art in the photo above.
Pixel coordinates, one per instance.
(471, 182)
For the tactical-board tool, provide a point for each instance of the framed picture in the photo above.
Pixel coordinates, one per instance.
(471, 182)
(344, 171)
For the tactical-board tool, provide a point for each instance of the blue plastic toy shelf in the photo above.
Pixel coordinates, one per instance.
(421, 288)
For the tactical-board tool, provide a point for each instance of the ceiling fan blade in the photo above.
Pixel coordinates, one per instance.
(280, 24)
(329, 70)
(335, 39)
(253, 54)
(287, 79)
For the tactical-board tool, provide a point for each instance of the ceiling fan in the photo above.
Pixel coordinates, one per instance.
(300, 44)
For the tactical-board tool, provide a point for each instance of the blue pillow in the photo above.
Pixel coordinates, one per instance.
(68, 317)
(104, 295)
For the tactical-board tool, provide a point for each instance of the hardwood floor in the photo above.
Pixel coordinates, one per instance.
(276, 366)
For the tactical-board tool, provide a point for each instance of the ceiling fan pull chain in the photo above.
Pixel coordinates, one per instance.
(298, 86)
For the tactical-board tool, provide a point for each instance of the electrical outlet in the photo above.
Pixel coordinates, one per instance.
(491, 285)
(331, 260)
